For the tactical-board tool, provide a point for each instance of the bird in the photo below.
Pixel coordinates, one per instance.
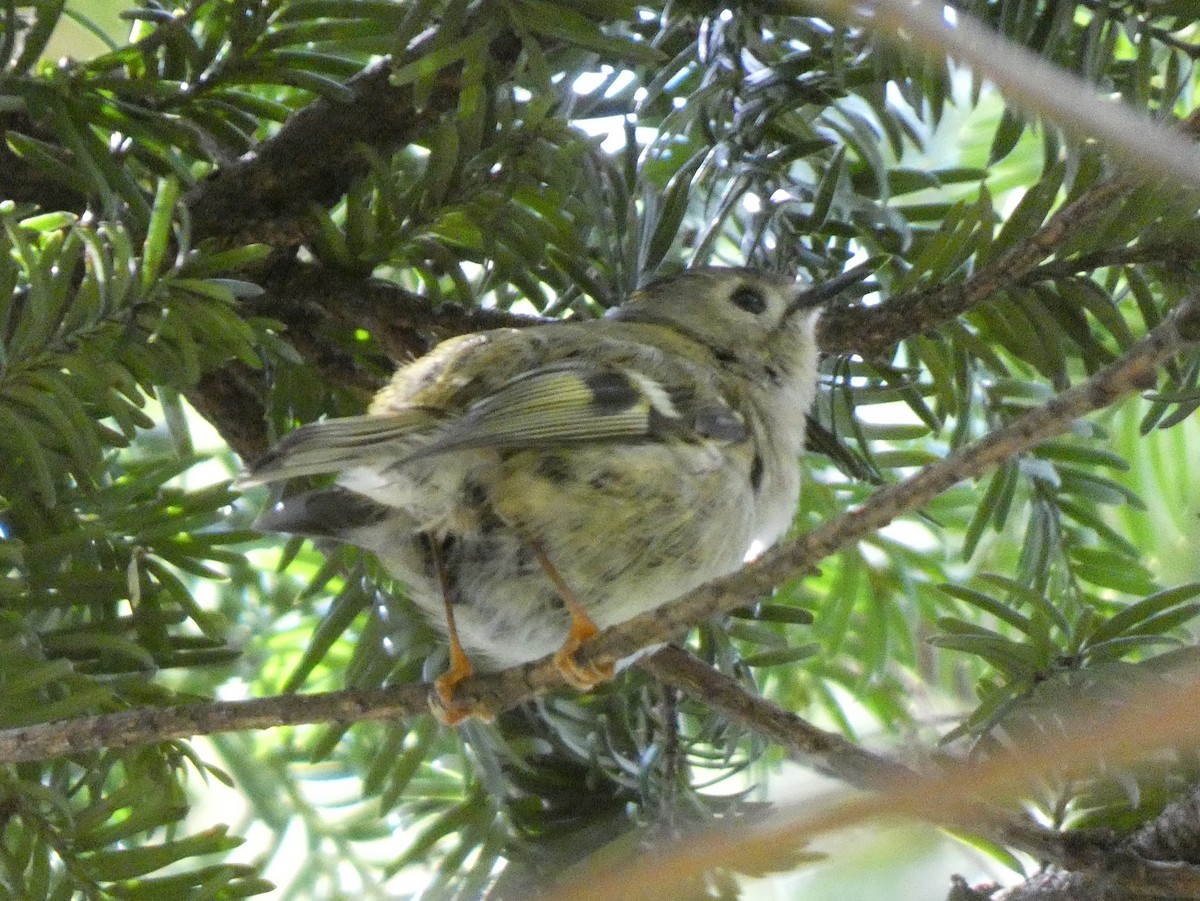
(531, 487)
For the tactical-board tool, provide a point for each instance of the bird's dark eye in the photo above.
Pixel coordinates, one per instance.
(749, 300)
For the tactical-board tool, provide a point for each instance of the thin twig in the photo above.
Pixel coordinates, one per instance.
(870, 331)
(828, 752)
(145, 725)
(1172, 253)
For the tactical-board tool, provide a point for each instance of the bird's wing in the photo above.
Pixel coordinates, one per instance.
(340, 444)
(565, 402)
(573, 401)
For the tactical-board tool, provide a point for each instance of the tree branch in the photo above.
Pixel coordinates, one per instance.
(826, 752)
(1158, 861)
(313, 300)
(871, 331)
(499, 691)
(265, 196)
(1174, 834)
(229, 397)
(1170, 253)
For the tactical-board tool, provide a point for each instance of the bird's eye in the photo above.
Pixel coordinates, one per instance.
(749, 300)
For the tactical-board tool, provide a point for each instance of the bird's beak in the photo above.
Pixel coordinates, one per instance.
(820, 294)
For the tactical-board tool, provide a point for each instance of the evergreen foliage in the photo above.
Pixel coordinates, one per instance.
(249, 208)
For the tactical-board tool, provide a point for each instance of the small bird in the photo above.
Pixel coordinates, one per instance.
(533, 486)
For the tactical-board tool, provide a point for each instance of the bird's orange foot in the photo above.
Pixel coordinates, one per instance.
(577, 675)
(442, 701)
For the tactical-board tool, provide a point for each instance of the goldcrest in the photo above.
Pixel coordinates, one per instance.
(531, 486)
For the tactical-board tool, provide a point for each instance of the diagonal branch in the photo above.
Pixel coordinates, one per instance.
(499, 691)
(826, 752)
(871, 331)
(1175, 254)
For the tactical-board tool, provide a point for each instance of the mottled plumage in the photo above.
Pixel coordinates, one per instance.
(633, 457)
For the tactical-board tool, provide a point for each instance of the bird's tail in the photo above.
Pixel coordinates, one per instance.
(341, 444)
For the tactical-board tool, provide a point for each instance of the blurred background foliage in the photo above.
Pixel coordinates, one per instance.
(172, 240)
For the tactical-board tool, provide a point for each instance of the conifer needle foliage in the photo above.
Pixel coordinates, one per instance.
(237, 215)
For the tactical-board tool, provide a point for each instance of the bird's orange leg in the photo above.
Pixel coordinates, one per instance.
(442, 702)
(582, 628)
